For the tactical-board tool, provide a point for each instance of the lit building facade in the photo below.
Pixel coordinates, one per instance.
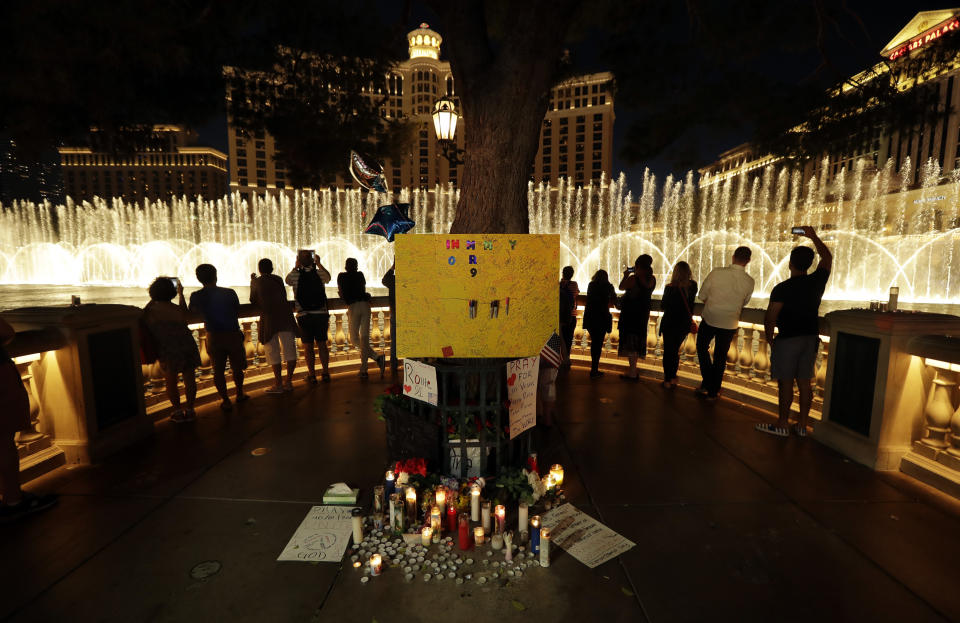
(167, 164)
(576, 138)
(939, 141)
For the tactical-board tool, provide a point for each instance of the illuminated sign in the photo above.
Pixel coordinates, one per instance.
(925, 38)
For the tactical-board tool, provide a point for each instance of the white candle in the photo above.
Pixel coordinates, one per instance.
(544, 547)
(485, 514)
(357, 519)
(376, 565)
(474, 503)
(393, 510)
(411, 505)
(556, 471)
(442, 500)
(522, 517)
(478, 535)
(426, 535)
(435, 523)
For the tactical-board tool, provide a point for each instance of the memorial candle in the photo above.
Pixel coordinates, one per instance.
(522, 520)
(435, 524)
(478, 535)
(501, 512)
(475, 502)
(497, 541)
(485, 514)
(389, 484)
(393, 509)
(378, 498)
(426, 535)
(441, 496)
(376, 565)
(411, 505)
(464, 531)
(451, 519)
(556, 471)
(544, 547)
(357, 519)
(535, 534)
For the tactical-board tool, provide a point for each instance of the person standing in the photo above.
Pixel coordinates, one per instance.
(176, 349)
(638, 284)
(677, 306)
(308, 278)
(724, 293)
(389, 281)
(277, 326)
(597, 319)
(794, 311)
(220, 308)
(569, 290)
(14, 417)
(352, 287)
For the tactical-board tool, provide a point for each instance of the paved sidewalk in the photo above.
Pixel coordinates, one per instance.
(730, 525)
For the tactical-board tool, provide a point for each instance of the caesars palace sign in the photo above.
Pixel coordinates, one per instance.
(926, 37)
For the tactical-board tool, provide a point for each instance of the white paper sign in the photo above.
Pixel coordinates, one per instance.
(522, 393)
(321, 537)
(583, 537)
(420, 381)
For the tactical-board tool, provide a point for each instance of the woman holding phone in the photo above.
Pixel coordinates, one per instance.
(176, 349)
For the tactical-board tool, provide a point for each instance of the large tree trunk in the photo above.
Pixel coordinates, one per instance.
(503, 96)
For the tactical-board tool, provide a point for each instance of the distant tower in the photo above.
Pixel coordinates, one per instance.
(424, 43)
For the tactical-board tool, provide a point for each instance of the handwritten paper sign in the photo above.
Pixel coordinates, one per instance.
(583, 537)
(475, 295)
(522, 393)
(321, 537)
(420, 381)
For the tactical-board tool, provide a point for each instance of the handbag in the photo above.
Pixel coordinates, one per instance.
(693, 323)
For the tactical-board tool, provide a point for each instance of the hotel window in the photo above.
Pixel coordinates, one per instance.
(596, 165)
(596, 88)
(563, 129)
(546, 160)
(603, 99)
(261, 155)
(242, 163)
(547, 150)
(261, 164)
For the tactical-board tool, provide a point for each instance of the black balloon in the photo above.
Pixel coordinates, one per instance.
(389, 220)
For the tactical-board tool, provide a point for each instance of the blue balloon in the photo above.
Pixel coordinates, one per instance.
(389, 220)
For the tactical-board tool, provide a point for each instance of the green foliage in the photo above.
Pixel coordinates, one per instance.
(512, 484)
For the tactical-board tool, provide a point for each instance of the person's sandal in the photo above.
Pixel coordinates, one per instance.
(799, 431)
(773, 429)
(325, 378)
(311, 380)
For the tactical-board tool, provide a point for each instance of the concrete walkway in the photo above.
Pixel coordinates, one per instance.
(730, 525)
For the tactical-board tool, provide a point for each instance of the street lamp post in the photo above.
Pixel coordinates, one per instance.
(445, 119)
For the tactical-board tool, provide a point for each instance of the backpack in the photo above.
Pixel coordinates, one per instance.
(310, 293)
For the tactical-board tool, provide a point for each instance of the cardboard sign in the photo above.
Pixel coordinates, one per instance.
(321, 537)
(420, 381)
(480, 295)
(522, 393)
(583, 537)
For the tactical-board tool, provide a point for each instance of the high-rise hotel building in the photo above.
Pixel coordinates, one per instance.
(166, 164)
(576, 139)
(939, 140)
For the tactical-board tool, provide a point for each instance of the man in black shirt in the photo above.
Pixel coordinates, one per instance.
(794, 311)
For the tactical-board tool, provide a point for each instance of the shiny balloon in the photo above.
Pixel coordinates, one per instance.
(389, 220)
(368, 172)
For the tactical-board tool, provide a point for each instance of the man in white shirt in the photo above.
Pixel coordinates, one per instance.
(724, 293)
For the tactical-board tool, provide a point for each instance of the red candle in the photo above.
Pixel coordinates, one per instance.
(451, 519)
(464, 531)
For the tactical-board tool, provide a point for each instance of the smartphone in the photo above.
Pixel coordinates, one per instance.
(798, 231)
(175, 280)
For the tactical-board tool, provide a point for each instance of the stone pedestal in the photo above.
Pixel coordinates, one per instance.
(874, 398)
(89, 390)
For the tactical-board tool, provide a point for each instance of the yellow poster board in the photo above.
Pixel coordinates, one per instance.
(482, 295)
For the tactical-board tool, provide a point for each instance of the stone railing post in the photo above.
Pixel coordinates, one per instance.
(652, 337)
(746, 353)
(821, 377)
(939, 410)
(761, 363)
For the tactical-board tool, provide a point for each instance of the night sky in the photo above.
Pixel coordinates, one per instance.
(882, 20)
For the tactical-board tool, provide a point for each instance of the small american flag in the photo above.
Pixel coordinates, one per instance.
(551, 352)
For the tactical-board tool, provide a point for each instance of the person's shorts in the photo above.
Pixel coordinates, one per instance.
(314, 327)
(227, 345)
(794, 357)
(15, 414)
(281, 341)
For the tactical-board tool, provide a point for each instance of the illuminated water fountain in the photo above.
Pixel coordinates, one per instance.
(879, 239)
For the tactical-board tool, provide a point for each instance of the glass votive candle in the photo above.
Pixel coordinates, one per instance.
(426, 536)
(478, 535)
(376, 565)
(556, 471)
